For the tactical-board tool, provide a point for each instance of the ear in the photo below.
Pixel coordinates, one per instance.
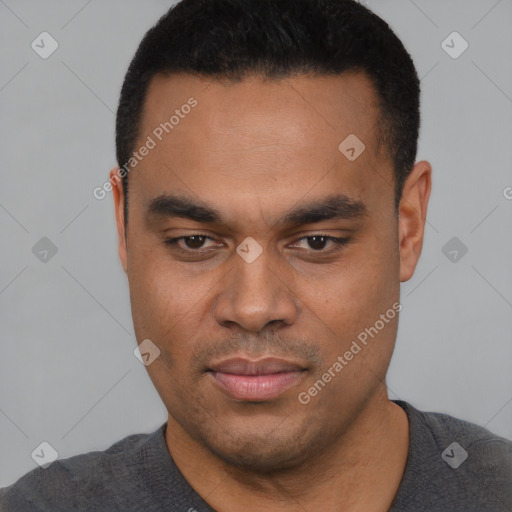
(118, 194)
(412, 217)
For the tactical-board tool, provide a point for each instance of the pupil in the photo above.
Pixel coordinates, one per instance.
(194, 242)
(313, 242)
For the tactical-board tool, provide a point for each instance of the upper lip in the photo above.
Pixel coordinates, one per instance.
(265, 366)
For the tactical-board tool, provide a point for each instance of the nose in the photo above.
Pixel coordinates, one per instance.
(256, 294)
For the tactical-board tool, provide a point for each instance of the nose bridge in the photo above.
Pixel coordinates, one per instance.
(253, 279)
(254, 293)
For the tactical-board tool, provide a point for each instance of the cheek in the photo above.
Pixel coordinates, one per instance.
(355, 294)
(167, 301)
(364, 282)
(154, 292)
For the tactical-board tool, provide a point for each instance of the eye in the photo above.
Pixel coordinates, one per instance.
(192, 242)
(318, 242)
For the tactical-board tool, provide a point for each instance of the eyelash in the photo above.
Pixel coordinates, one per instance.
(339, 243)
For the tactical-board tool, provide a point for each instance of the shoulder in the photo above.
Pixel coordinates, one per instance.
(456, 463)
(82, 482)
(485, 449)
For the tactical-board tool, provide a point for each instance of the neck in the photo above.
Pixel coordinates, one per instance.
(361, 471)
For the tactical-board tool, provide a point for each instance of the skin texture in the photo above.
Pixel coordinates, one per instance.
(253, 150)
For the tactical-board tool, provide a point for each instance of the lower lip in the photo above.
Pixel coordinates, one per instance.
(256, 387)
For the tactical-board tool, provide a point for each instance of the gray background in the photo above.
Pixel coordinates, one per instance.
(67, 370)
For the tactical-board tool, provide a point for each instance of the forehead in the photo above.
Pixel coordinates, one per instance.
(322, 107)
(260, 137)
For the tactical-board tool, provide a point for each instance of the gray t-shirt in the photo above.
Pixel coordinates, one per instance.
(452, 466)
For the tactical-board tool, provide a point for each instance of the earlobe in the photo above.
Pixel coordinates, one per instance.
(118, 195)
(412, 217)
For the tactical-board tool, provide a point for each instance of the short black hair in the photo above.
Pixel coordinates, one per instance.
(276, 39)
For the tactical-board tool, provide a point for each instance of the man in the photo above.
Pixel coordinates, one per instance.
(268, 205)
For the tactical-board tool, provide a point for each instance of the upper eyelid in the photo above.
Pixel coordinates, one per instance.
(204, 235)
(334, 239)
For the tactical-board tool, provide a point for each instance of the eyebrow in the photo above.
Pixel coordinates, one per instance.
(338, 207)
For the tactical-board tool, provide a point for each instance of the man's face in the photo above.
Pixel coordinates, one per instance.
(256, 151)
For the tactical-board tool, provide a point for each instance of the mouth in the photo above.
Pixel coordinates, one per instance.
(256, 381)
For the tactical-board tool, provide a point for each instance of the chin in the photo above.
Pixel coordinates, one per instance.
(261, 458)
(264, 453)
